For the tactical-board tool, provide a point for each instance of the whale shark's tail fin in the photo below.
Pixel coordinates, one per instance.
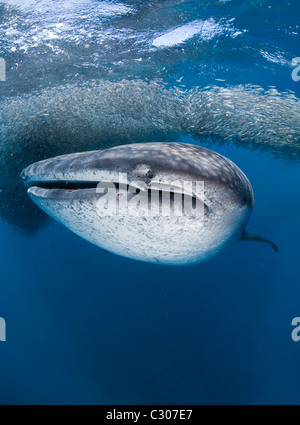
(250, 236)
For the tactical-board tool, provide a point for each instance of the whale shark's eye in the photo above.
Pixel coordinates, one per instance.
(244, 202)
(149, 174)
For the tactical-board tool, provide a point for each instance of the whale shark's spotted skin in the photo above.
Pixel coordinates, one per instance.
(65, 188)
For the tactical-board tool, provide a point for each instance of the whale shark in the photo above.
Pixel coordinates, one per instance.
(165, 203)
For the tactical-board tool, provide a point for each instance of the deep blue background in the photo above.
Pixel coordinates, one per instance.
(85, 326)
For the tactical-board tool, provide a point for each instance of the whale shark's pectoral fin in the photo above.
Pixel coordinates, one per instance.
(250, 236)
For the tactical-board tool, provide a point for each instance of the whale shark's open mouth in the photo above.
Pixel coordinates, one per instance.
(63, 185)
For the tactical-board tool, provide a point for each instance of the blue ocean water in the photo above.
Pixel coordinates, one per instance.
(86, 326)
